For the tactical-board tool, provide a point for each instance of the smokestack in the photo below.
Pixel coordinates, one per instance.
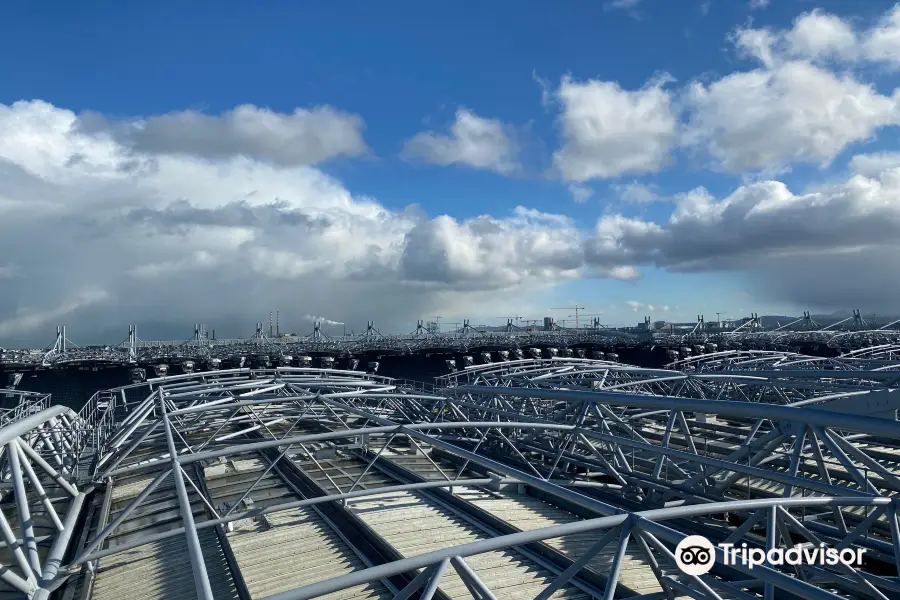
(277, 325)
(270, 324)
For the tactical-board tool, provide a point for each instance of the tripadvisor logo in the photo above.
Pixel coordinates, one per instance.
(696, 555)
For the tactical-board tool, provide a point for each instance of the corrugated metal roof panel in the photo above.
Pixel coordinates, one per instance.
(294, 548)
(528, 513)
(162, 571)
(414, 525)
(299, 549)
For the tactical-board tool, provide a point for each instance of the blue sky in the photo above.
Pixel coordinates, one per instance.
(406, 67)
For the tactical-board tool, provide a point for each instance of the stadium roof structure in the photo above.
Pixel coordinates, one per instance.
(876, 358)
(541, 479)
(749, 336)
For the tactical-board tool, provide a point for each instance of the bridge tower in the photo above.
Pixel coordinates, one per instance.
(371, 331)
(420, 328)
(60, 344)
(808, 321)
(132, 343)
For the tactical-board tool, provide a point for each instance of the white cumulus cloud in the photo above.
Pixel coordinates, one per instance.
(637, 193)
(833, 245)
(473, 141)
(609, 131)
(822, 37)
(792, 112)
(580, 193)
(872, 165)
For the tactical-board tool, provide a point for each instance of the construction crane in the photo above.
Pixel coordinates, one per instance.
(585, 315)
(437, 322)
(531, 322)
(576, 308)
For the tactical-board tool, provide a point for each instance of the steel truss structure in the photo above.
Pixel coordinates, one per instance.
(41, 504)
(884, 352)
(749, 376)
(17, 404)
(840, 339)
(133, 350)
(301, 483)
(201, 348)
(878, 358)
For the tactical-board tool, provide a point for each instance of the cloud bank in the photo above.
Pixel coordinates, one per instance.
(102, 229)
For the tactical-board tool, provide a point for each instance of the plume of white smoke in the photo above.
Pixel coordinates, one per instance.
(322, 320)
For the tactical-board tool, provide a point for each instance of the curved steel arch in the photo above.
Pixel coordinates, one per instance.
(882, 352)
(791, 384)
(879, 359)
(40, 466)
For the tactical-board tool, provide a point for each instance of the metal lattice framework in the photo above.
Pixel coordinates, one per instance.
(884, 352)
(565, 478)
(748, 336)
(753, 339)
(18, 404)
(41, 502)
(133, 350)
(751, 376)
(755, 360)
(882, 358)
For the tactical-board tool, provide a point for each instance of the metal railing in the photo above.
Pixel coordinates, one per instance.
(27, 403)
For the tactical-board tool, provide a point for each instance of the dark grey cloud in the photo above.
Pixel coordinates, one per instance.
(303, 137)
(489, 251)
(182, 215)
(867, 278)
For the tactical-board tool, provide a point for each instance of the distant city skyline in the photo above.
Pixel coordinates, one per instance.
(172, 332)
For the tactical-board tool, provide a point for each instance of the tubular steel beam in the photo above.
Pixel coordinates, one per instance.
(59, 548)
(198, 565)
(749, 410)
(26, 424)
(15, 467)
